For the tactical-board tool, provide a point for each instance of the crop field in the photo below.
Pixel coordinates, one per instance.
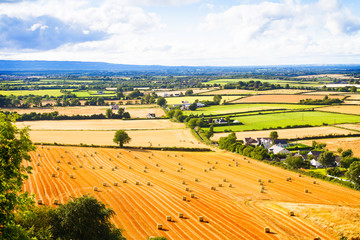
(282, 120)
(101, 124)
(229, 92)
(195, 91)
(237, 212)
(94, 94)
(143, 138)
(294, 83)
(235, 108)
(342, 109)
(279, 98)
(191, 99)
(50, 92)
(289, 133)
(355, 127)
(333, 144)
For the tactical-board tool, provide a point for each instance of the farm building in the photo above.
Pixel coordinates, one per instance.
(151, 115)
(281, 143)
(220, 121)
(114, 107)
(265, 142)
(278, 150)
(250, 141)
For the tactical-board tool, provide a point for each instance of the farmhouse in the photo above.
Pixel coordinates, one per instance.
(114, 107)
(250, 141)
(278, 150)
(281, 143)
(151, 115)
(220, 121)
(266, 142)
(100, 92)
(314, 161)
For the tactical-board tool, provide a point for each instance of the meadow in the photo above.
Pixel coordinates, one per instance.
(282, 120)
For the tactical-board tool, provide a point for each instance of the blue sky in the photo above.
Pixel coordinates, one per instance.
(182, 32)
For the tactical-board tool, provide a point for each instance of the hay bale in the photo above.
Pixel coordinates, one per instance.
(72, 176)
(187, 189)
(148, 183)
(179, 164)
(117, 156)
(135, 157)
(74, 168)
(145, 171)
(192, 195)
(183, 182)
(230, 185)
(306, 190)
(146, 167)
(124, 181)
(115, 184)
(91, 155)
(216, 162)
(130, 167)
(56, 202)
(196, 179)
(178, 170)
(39, 155)
(157, 165)
(184, 198)
(80, 166)
(201, 218)
(96, 189)
(267, 230)
(100, 167)
(39, 201)
(208, 162)
(181, 215)
(116, 167)
(58, 161)
(61, 156)
(168, 218)
(66, 151)
(112, 169)
(261, 190)
(159, 226)
(314, 182)
(205, 170)
(93, 167)
(291, 213)
(69, 163)
(261, 183)
(58, 168)
(48, 148)
(95, 152)
(109, 158)
(181, 168)
(213, 188)
(220, 184)
(77, 156)
(104, 184)
(161, 170)
(233, 160)
(53, 175)
(137, 183)
(84, 155)
(224, 180)
(229, 165)
(269, 180)
(38, 164)
(299, 175)
(259, 180)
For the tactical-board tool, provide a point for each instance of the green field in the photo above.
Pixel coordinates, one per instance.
(283, 120)
(82, 94)
(50, 92)
(236, 108)
(191, 99)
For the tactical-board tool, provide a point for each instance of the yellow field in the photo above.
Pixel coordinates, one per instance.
(288, 133)
(236, 211)
(341, 109)
(279, 98)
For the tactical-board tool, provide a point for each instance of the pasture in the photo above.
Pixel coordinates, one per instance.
(241, 108)
(284, 98)
(282, 120)
(241, 211)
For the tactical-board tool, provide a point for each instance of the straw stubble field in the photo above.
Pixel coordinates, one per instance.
(237, 212)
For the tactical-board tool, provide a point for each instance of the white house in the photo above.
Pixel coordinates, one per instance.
(114, 107)
(220, 121)
(266, 142)
(199, 104)
(278, 150)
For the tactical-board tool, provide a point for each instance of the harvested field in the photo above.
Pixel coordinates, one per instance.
(100, 124)
(239, 212)
(345, 143)
(335, 76)
(146, 138)
(191, 99)
(230, 92)
(136, 111)
(289, 133)
(195, 91)
(355, 127)
(328, 93)
(284, 91)
(354, 97)
(279, 98)
(341, 109)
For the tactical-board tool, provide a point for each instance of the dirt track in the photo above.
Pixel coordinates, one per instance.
(238, 212)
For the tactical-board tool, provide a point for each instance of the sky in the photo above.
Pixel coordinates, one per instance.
(182, 32)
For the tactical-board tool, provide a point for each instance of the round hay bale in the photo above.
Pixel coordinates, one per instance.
(261, 190)
(291, 213)
(84, 155)
(72, 176)
(187, 189)
(184, 198)
(74, 168)
(181, 215)
(96, 189)
(93, 167)
(224, 180)
(220, 184)
(267, 230)
(179, 164)
(58, 161)
(168, 218)
(137, 183)
(183, 182)
(117, 156)
(39, 201)
(306, 190)
(216, 162)
(178, 170)
(161, 170)
(38, 164)
(146, 167)
(100, 167)
(299, 175)
(201, 218)
(159, 226)
(77, 156)
(196, 179)
(69, 163)
(95, 152)
(53, 175)
(230, 185)
(148, 183)
(213, 188)
(145, 171)
(112, 169)
(116, 167)
(208, 162)
(229, 165)
(205, 170)
(124, 181)
(314, 182)
(91, 155)
(157, 165)
(115, 184)
(259, 180)
(61, 156)
(104, 184)
(56, 202)
(181, 168)
(269, 180)
(109, 158)
(192, 195)
(130, 167)
(261, 183)
(48, 148)
(66, 151)
(58, 168)
(39, 155)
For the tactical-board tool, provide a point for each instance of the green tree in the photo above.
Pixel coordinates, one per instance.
(354, 172)
(274, 135)
(294, 162)
(192, 123)
(346, 162)
(347, 153)
(14, 147)
(327, 159)
(161, 102)
(193, 107)
(217, 99)
(121, 137)
(84, 218)
(109, 113)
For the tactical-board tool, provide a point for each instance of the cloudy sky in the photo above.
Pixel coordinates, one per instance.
(182, 32)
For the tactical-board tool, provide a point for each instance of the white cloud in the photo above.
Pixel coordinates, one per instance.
(40, 26)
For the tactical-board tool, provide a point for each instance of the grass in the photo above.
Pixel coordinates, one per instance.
(82, 94)
(277, 120)
(50, 92)
(191, 99)
(271, 81)
(235, 108)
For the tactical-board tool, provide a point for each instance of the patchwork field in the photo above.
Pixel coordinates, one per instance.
(236, 212)
(145, 138)
(50, 92)
(229, 92)
(282, 120)
(100, 124)
(279, 98)
(191, 99)
(289, 133)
